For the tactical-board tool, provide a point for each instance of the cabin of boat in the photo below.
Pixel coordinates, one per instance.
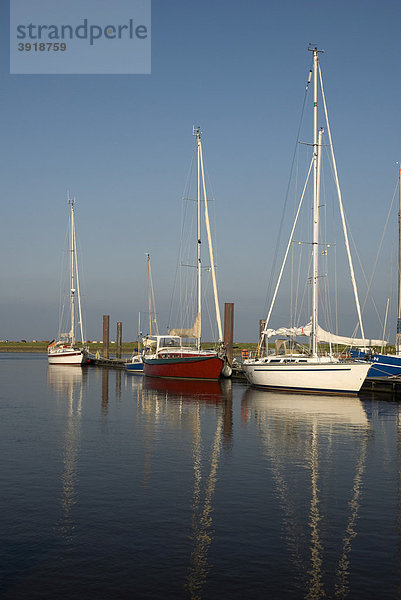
(294, 358)
(170, 346)
(167, 357)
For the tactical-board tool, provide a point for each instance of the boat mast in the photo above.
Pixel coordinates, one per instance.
(398, 335)
(316, 177)
(72, 288)
(196, 132)
(139, 331)
(209, 239)
(149, 297)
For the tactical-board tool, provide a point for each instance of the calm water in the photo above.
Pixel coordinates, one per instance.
(116, 486)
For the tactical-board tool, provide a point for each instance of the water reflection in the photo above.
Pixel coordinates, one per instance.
(105, 391)
(185, 401)
(68, 384)
(314, 446)
(185, 390)
(118, 384)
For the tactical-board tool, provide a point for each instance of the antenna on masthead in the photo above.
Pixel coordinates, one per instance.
(313, 49)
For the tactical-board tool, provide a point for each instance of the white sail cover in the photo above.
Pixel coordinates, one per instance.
(323, 336)
(148, 343)
(194, 332)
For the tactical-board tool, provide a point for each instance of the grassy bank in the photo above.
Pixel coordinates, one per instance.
(127, 347)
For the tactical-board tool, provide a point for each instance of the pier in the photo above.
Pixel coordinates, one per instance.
(116, 363)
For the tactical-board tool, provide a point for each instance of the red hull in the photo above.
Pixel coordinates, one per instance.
(195, 367)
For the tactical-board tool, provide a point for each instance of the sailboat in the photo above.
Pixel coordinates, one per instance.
(385, 365)
(169, 357)
(135, 366)
(64, 350)
(312, 371)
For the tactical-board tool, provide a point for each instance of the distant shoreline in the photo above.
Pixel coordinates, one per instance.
(127, 348)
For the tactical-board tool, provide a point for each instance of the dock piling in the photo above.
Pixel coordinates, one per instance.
(229, 330)
(106, 338)
(119, 339)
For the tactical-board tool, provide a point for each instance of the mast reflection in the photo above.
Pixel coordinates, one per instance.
(303, 438)
(68, 384)
(185, 403)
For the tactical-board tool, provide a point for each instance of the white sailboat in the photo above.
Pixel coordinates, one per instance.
(312, 372)
(64, 350)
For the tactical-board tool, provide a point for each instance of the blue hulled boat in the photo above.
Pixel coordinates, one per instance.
(383, 365)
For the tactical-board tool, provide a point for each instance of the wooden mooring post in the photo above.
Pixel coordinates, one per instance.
(229, 330)
(106, 338)
(119, 339)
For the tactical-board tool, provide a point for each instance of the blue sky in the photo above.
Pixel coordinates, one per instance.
(122, 144)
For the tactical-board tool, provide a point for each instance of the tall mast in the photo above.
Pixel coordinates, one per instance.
(316, 177)
(209, 238)
(149, 298)
(78, 292)
(139, 331)
(72, 261)
(196, 132)
(398, 336)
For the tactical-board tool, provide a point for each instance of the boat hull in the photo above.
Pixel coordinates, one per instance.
(382, 365)
(188, 367)
(68, 357)
(331, 378)
(134, 368)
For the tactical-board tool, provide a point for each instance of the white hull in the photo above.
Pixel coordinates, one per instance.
(329, 377)
(67, 357)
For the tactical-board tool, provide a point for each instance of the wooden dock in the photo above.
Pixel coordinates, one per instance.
(383, 385)
(115, 363)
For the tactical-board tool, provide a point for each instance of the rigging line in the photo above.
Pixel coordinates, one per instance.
(291, 287)
(351, 267)
(336, 287)
(361, 267)
(81, 325)
(284, 261)
(62, 284)
(332, 327)
(369, 285)
(275, 256)
(298, 305)
(183, 210)
(152, 292)
(209, 186)
(209, 236)
(326, 280)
